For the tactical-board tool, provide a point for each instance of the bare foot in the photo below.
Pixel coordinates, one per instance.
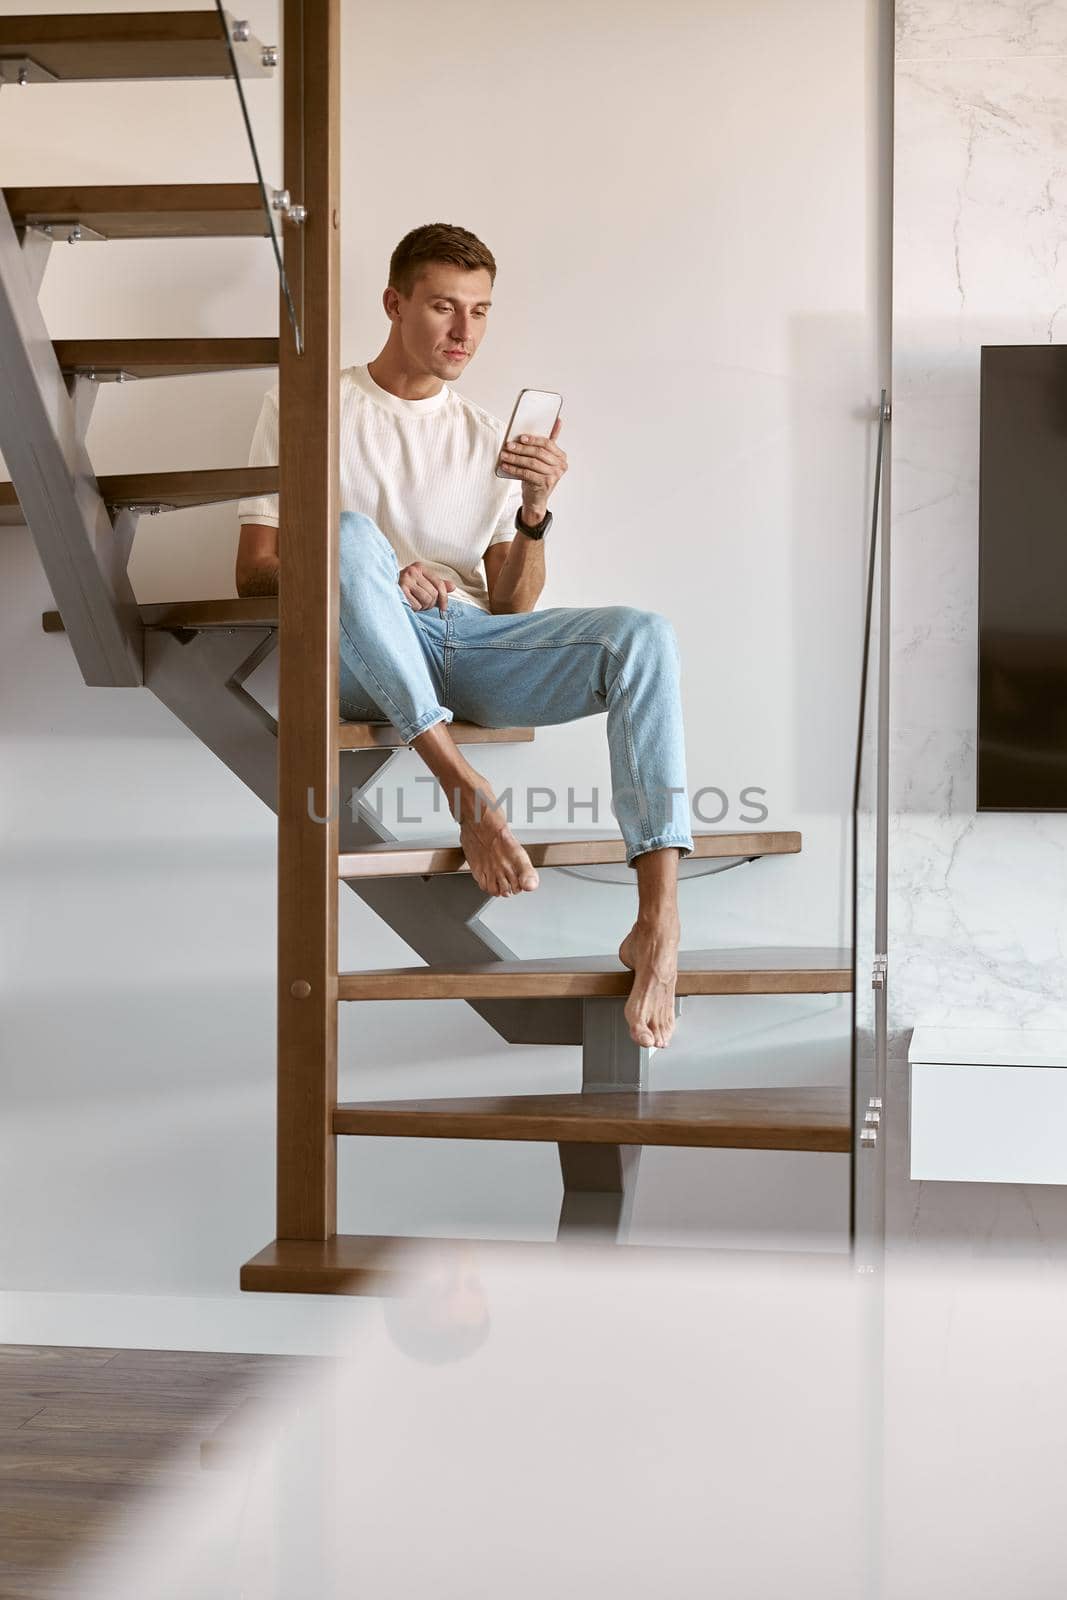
(651, 951)
(497, 860)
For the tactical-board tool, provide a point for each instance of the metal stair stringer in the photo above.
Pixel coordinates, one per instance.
(42, 438)
(199, 675)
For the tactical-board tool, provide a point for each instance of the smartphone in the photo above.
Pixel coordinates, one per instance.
(535, 411)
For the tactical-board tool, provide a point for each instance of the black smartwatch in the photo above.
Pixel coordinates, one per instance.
(533, 533)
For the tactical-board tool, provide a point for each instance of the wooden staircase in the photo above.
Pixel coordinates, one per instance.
(197, 655)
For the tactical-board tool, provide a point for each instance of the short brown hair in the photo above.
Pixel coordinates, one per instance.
(436, 241)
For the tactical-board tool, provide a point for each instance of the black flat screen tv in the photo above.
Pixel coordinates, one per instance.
(1022, 579)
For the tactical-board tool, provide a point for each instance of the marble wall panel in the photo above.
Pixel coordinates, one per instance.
(978, 902)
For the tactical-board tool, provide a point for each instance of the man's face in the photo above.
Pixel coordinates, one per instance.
(448, 312)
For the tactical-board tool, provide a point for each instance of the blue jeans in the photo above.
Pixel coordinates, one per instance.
(415, 668)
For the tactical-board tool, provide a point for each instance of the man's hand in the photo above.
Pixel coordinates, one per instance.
(423, 591)
(540, 463)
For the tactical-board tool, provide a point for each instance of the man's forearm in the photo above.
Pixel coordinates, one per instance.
(522, 577)
(261, 579)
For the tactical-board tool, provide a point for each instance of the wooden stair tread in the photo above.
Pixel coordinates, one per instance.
(429, 857)
(353, 1263)
(146, 210)
(129, 45)
(749, 970)
(259, 612)
(736, 1119)
(347, 1263)
(164, 358)
(253, 612)
(383, 736)
(198, 486)
(201, 486)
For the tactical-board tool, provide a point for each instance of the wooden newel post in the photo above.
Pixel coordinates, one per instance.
(308, 610)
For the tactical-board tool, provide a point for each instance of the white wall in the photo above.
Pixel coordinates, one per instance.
(682, 208)
(978, 913)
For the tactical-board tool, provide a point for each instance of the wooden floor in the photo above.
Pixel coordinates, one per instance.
(84, 1431)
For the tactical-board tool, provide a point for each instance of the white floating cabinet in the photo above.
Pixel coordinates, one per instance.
(988, 1105)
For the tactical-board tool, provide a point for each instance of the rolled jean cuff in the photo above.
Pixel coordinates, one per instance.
(428, 720)
(664, 841)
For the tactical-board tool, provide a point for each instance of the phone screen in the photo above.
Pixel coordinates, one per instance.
(535, 411)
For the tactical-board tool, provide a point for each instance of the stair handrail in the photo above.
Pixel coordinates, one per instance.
(868, 1115)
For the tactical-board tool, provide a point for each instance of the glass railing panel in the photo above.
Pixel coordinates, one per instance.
(250, 59)
(870, 878)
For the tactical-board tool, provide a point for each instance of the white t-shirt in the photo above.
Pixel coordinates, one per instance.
(422, 469)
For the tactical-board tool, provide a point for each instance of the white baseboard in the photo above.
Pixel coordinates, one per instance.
(261, 1324)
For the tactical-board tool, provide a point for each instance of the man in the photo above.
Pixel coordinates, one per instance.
(438, 588)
